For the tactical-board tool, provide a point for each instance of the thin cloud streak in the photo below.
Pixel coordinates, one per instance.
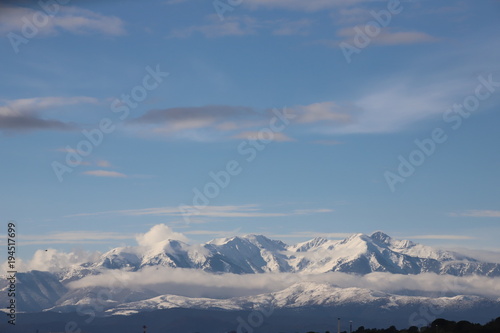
(26, 114)
(75, 237)
(71, 19)
(477, 213)
(209, 211)
(105, 173)
(313, 234)
(444, 237)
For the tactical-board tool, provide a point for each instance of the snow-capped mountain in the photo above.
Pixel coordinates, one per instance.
(104, 285)
(359, 254)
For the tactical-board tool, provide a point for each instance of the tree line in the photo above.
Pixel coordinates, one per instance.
(438, 326)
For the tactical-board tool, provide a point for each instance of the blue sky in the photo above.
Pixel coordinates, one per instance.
(172, 91)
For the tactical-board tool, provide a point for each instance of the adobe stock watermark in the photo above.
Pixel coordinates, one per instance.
(31, 25)
(223, 6)
(249, 149)
(364, 36)
(428, 146)
(95, 137)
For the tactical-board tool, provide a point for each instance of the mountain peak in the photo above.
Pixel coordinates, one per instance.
(308, 245)
(380, 237)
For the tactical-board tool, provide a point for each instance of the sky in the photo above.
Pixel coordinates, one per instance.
(288, 118)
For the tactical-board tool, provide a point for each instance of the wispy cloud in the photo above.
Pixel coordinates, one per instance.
(74, 237)
(392, 105)
(232, 26)
(292, 28)
(26, 114)
(300, 5)
(103, 164)
(71, 19)
(105, 173)
(313, 234)
(296, 5)
(209, 211)
(255, 135)
(390, 37)
(217, 233)
(204, 123)
(444, 237)
(328, 142)
(477, 213)
(242, 26)
(321, 112)
(311, 211)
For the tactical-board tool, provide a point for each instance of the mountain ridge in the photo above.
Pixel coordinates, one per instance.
(253, 254)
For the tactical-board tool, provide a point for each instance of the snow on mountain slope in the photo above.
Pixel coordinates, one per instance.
(304, 295)
(98, 298)
(362, 254)
(248, 254)
(35, 291)
(174, 253)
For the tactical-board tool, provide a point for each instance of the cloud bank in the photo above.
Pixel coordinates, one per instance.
(197, 283)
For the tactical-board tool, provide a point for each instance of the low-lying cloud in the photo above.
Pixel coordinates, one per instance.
(198, 283)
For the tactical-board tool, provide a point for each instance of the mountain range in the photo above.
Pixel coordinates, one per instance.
(359, 255)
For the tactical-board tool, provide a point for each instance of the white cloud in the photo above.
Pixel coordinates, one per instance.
(157, 234)
(482, 255)
(51, 260)
(392, 106)
(72, 19)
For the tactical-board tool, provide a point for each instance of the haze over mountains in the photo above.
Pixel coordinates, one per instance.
(250, 272)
